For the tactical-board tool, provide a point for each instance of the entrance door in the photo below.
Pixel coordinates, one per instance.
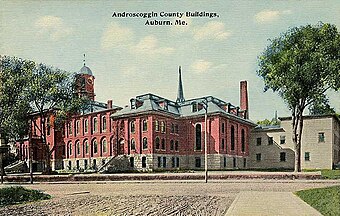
(121, 147)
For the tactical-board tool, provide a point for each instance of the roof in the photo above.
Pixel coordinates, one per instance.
(152, 103)
(312, 117)
(85, 70)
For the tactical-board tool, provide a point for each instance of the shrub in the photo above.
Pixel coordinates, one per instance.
(18, 194)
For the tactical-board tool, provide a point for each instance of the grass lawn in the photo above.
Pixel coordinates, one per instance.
(325, 200)
(326, 173)
(16, 195)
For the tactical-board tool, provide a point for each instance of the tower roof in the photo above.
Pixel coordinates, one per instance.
(180, 94)
(85, 70)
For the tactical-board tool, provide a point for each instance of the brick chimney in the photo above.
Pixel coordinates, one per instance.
(244, 98)
(109, 104)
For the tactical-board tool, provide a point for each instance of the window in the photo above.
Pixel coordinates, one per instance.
(86, 143)
(282, 139)
(222, 128)
(225, 161)
(171, 145)
(144, 162)
(164, 162)
(244, 162)
(77, 164)
(321, 137)
(163, 144)
(70, 128)
(77, 126)
(104, 123)
(145, 125)
(172, 128)
(198, 144)
(176, 145)
(133, 144)
(176, 128)
(197, 162)
(270, 141)
(132, 162)
(95, 124)
(86, 125)
(85, 164)
(177, 162)
(307, 156)
(194, 107)
(162, 127)
(95, 146)
(156, 125)
(258, 141)
(243, 141)
(78, 147)
(232, 137)
(70, 148)
(283, 156)
(48, 123)
(145, 143)
(258, 157)
(173, 162)
(157, 142)
(94, 164)
(222, 145)
(69, 165)
(104, 145)
(103, 162)
(132, 126)
(159, 161)
(234, 162)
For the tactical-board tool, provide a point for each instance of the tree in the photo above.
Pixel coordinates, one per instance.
(267, 122)
(321, 107)
(301, 65)
(29, 90)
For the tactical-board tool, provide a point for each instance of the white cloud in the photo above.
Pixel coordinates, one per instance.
(53, 26)
(211, 30)
(267, 16)
(116, 35)
(201, 66)
(148, 46)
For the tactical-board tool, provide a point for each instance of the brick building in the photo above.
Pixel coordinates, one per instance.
(150, 133)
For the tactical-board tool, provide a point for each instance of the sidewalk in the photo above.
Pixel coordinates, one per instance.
(269, 203)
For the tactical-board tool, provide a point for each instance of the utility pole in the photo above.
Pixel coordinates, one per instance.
(205, 106)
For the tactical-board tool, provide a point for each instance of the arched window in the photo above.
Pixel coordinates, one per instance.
(77, 126)
(95, 124)
(156, 125)
(145, 143)
(70, 148)
(172, 128)
(78, 147)
(104, 123)
(86, 125)
(95, 146)
(162, 127)
(176, 145)
(172, 145)
(243, 141)
(70, 128)
(133, 144)
(198, 144)
(132, 126)
(86, 144)
(232, 137)
(157, 141)
(104, 145)
(145, 125)
(163, 144)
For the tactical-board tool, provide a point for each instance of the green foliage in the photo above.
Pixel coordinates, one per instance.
(268, 122)
(302, 63)
(325, 200)
(16, 195)
(326, 173)
(321, 107)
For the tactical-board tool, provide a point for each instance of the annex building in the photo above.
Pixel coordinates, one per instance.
(150, 133)
(272, 147)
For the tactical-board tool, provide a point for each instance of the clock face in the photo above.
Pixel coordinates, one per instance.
(90, 81)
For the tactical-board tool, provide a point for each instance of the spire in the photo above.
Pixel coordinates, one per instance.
(84, 59)
(180, 94)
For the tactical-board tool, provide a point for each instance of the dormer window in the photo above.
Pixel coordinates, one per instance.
(163, 105)
(194, 107)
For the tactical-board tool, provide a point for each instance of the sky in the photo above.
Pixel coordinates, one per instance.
(129, 58)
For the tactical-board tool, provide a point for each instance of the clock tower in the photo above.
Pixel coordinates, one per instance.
(85, 82)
